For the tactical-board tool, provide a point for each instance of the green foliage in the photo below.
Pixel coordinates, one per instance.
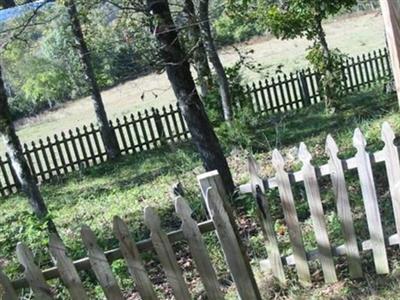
(303, 18)
(46, 69)
(232, 28)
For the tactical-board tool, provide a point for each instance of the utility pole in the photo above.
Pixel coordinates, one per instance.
(391, 17)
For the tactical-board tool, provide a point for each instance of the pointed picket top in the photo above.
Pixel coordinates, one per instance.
(331, 147)
(182, 208)
(304, 154)
(387, 134)
(254, 167)
(277, 160)
(256, 180)
(151, 218)
(359, 141)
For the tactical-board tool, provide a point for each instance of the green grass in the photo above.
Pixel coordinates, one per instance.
(125, 187)
(269, 52)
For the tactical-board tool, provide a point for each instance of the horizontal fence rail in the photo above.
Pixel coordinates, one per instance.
(351, 245)
(81, 148)
(310, 177)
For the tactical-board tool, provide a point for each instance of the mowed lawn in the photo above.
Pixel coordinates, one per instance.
(353, 35)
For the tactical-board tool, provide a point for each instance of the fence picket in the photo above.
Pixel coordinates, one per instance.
(131, 255)
(53, 157)
(92, 156)
(137, 135)
(317, 214)
(30, 162)
(343, 208)
(100, 266)
(392, 163)
(266, 221)
(45, 158)
(60, 154)
(291, 219)
(33, 274)
(198, 250)
(220, 212)
(66, 268)
(371, 203)
(7, 291)
(38, 161)
(166, 255)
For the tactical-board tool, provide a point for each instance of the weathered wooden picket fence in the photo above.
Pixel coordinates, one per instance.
(223, 222)
(67, 152)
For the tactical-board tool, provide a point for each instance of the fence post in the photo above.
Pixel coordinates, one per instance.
(305, 94)
(221, 214)
(159, 126)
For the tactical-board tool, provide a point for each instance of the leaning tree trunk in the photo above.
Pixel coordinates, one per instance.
(199, 54)
(107, 132)
(214, 59)
(178, 71)
(18, 161)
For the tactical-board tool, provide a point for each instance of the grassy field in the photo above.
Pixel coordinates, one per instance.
(124, 188)
(353, 35)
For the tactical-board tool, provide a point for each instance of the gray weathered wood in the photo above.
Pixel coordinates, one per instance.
(392, 170)
(7, 291)
(166, 255)
(266, 221)
(100, 266)
(132, 257)
(291, 219)
(66, 269)
(33, 274)
(317, 215)
(235, 255)
(344, 209)
(198, 250)
(371, 203)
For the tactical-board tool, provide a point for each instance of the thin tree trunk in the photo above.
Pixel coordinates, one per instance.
(107, 133)
(18, 161)
(7, 3)
(329, 88)
(199, 54)
(178, 71)
(215, 61)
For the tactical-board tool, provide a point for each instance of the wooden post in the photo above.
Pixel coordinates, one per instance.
(221, 214)
(391, 18)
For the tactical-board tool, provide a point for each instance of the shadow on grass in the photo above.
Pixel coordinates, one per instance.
(263, 133)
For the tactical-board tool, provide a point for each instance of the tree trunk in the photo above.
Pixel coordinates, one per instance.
(215, 61)
(329, 84)
(7, 3)
(18, 161)
(107, 133)
(199, 54)
(178, 71)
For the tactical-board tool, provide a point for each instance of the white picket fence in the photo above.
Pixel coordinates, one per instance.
(221, 219)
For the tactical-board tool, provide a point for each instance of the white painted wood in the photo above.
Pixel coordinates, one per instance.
(221, 214)
(131, 255)
(391, 18)
(198, 250)
(100, 265)
(7, 291)
(166, 255)
(343, 208)
(392, 170)
(371, 203)
(266, 222)
(291, 219)
(66, 268)
(324, 170)
(33, 274)
(317, 215)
